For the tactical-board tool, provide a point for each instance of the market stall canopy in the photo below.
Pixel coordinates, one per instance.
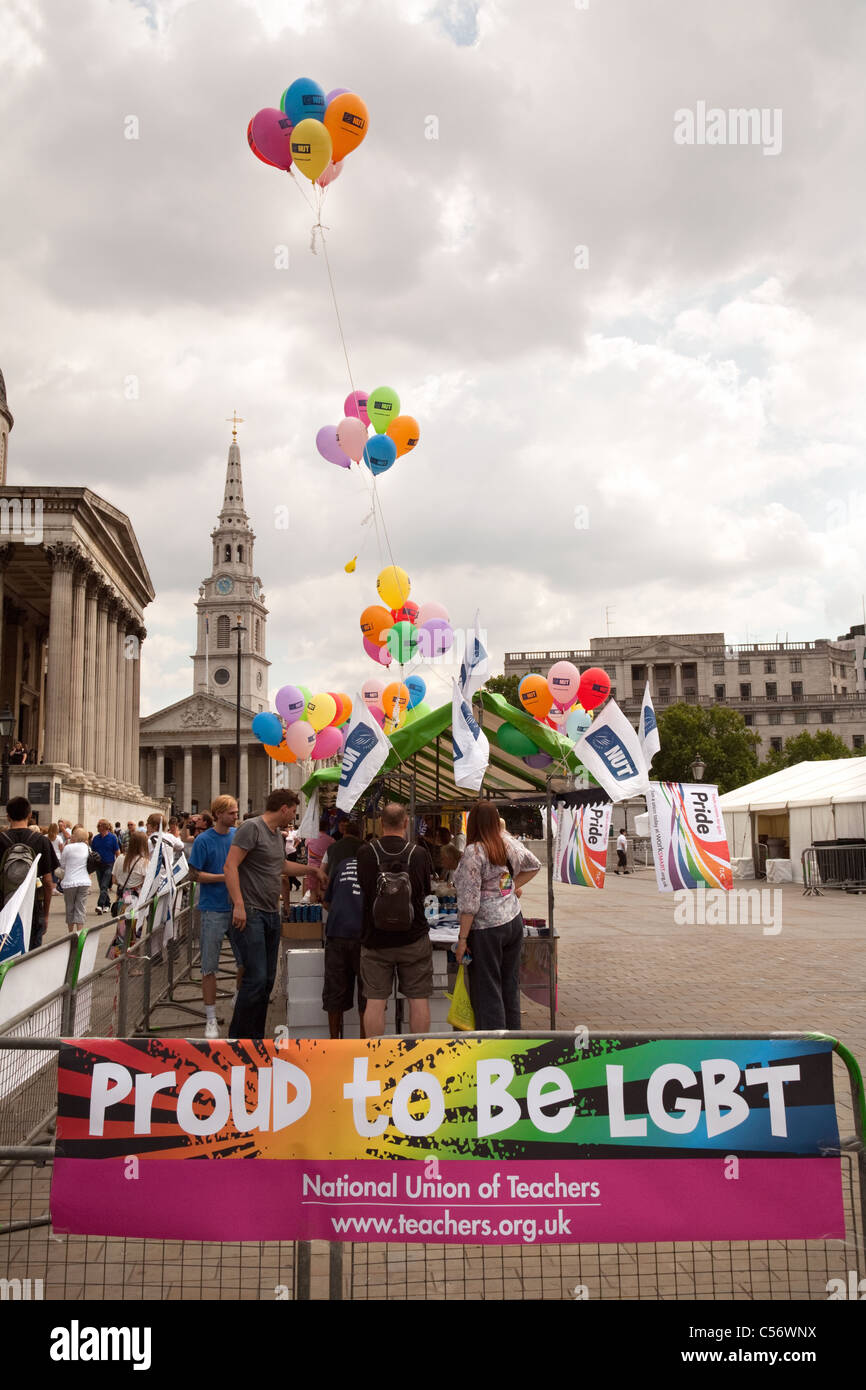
(836, 781)
(425, 748)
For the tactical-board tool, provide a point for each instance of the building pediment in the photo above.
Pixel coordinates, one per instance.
(662, 651)
(196, 714)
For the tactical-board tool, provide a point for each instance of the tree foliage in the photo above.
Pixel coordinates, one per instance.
(805, 748)
(728, 748)
(505, 685)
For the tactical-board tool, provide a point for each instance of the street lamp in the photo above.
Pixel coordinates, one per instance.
(239, 629)
(7, 724)
(699, 767)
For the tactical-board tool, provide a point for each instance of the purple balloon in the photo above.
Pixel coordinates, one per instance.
(538, 760)
(290, 703)
(326, 443)
(435, 638)
(272, 136)
(337, 92)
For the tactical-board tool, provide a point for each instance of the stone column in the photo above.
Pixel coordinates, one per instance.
(214, 771)
(111, 690)
(159, 789)
(62, 559)
(133, 695)
(678, 680)
(651, 677)
(121, 733)
(244, 783)
(187, 779)
(88, 753)
(76, 689)
(103, 599)
(5, 558)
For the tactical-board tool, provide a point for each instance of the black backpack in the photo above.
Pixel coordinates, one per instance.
(392, 905)
(15, 862)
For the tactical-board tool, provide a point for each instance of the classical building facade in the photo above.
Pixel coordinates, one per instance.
(73, 587)
(188, 749)
(780, 688)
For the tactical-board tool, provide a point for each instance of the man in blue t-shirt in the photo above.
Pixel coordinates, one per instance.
(106, 844)
(207, 866)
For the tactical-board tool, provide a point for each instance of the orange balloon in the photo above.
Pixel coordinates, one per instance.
(280, 753)
(346, 713)
(346, 122)
(395, 699)
(375, 622)
(535, 696)
(405, 433)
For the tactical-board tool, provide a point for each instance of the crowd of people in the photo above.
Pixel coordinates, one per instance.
(373, 890)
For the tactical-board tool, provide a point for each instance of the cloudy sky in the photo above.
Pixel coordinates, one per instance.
(638, 365)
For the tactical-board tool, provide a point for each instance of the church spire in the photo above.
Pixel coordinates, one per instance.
(233, 512)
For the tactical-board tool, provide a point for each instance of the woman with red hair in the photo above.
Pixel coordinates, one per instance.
(493, 869)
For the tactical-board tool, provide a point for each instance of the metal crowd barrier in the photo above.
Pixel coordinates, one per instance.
(834, 866)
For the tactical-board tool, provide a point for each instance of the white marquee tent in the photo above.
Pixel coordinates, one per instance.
(811, 801)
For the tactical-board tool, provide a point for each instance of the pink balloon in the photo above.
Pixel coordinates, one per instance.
(332, 172)
(380, 654)
(301, 738)
(328, 742)
(371, 691)
(563, 680)
(351, 437)
(326, 443)
(337, 92)
(355, 406)
(271, 132)
(428, 611)
(378, 714)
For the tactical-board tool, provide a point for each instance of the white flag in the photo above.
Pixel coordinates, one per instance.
(610, 749)
(471, 749)
(649, 729)
(16, 917)
(365, 751)
(474, 666)
(309, 826)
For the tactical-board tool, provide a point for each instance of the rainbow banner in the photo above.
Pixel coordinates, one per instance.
(580, 854)
(688, 836)
(475, 1140)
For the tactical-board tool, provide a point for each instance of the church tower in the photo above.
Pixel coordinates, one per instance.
(232, 590)
(6, 423)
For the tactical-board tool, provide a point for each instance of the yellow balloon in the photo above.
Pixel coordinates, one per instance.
(321, 710)
(350, 567)
(311, 148)
(393, 586)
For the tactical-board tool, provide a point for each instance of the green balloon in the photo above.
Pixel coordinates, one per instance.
(383, 406)
(308, 695)
(417, 712)
(512, 741)
(402, 642)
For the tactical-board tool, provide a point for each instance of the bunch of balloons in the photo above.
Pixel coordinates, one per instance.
(306, 725)
(395, 704)
(563, 698)
(403, 629)
(312, 131)
(348, 442)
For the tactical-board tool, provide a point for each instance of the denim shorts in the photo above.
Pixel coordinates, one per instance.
(214, 927)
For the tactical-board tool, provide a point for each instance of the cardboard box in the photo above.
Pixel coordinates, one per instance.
(303, 931)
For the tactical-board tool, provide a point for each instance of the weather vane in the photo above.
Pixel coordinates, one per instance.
(234, 421)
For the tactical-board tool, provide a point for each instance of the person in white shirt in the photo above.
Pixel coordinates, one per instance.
(621, 853)
(75, 884)
(153, 823)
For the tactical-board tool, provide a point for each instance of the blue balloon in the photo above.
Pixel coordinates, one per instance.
(417, 690)
(303, 100)
(576, 724)
(379, 453)
(268, 728)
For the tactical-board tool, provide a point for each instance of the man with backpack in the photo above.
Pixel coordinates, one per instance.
(395, 879)
(345, 905)
(19, 846)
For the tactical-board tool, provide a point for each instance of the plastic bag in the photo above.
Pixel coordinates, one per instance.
(461, 1014)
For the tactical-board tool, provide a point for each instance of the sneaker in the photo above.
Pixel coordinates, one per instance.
(212, 1029)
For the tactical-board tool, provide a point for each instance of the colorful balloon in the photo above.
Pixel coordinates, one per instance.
(417, 688)
(355, 407)
(332, 172)
(326, 443)
(301, 738)
(435, 638)
(308, 695)
(395, 700)
(280, 753)
(416, 712)
(376, 623)
(380, 453)
(311, 148)
(268, 728)
(577, 723)
(328, 742)
(594, 687)
(393, 586)
(351, 437)
(428, 611)
(405, 433)
(402, 642)
(534, 695)
(407, 614)
(371, 691)
(345, 712)
(320, 711)
(252, 144)
(346, 118)
(515, 742)
(383, 406)
(290, 703)
(339, 708)
(378, 714)
(538, 760)
(563, 680)
(303, 100)
(380, 654)
(270, 135)
(337, 92)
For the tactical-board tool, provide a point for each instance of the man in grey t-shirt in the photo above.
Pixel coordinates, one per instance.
(254, 869)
